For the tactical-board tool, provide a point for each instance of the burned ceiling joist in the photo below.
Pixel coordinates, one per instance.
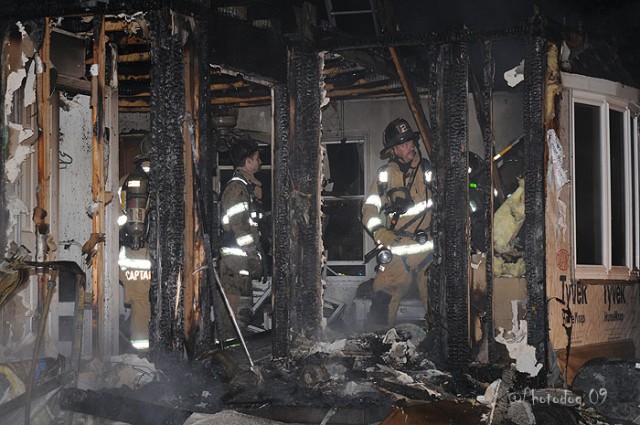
(258, 38)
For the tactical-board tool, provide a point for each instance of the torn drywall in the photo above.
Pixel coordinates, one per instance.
(515, 76)
(557, 175)
(12, 166)
(19, 149)
(516, 343)
(556, 156)
(14, 81)
(15, 206)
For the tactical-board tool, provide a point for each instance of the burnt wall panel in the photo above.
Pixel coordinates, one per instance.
(437, 282)
(534, 192)
(282, 234)
(456, 227)
(304, 203)
(166, 194)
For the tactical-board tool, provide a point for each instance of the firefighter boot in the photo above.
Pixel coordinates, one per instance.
(379, 310)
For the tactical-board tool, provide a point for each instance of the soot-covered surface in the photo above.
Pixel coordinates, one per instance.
(392, 377)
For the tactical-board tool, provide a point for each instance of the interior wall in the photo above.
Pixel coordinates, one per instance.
(74, 200)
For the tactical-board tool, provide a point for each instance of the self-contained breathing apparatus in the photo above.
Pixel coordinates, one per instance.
(134, 201)
(400, 201)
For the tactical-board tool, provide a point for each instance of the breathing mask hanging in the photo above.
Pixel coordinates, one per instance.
(399, 201)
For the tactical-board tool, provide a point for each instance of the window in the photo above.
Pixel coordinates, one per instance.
(343, 191)
(605, 176)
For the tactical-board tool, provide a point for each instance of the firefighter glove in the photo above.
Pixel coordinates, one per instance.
(385, 237)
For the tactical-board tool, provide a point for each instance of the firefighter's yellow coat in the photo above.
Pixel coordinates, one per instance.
(241, 260)
(410, 259)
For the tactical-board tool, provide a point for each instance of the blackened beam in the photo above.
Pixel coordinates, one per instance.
(332, 43)
(304, 92)
(282, 234)
(437, 282)
(119, 407)
(456, 205)
(534, 187)
(254, 50)
(166, 181)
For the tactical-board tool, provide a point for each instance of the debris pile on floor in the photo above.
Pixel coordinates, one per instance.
(387, 378)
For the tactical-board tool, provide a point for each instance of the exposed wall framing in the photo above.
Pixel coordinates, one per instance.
(282, 229)
(44, 162)
(534, 152)
(98, 193)
(304, 203)
(437, 284)
(192, 256)
(166, 179)
(456, 204)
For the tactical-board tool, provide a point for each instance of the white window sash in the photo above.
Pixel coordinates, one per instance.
(606, 103)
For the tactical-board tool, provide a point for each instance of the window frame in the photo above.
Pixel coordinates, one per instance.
(329, 263)
(608, 96)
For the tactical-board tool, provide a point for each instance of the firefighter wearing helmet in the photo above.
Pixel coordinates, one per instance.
(241, 212)
(397, 212)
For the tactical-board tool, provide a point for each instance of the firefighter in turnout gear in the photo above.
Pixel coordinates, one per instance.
(397, 212)
(241, 212)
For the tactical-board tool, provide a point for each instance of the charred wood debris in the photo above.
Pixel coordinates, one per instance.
(390, 377)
